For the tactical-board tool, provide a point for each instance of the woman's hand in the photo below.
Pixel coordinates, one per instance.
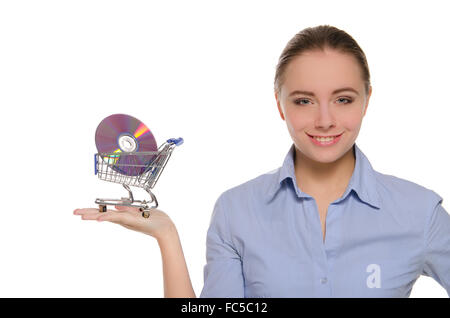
(158, 224)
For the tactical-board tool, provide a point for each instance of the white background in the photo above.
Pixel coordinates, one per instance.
(201, 70)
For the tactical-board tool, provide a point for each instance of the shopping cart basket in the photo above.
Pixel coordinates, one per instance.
(131, 169)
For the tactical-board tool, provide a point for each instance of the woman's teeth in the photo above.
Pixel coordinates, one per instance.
(321, 139)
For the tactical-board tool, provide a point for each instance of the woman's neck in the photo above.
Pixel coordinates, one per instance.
(324, 179)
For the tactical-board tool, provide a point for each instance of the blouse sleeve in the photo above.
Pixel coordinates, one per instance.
(223, 270)
(437, 247)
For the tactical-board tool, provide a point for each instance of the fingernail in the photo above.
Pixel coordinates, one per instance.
(99, 220)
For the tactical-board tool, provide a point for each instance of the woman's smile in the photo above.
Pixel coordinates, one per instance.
(325, 140)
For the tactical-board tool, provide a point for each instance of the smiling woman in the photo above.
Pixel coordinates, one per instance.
(325, 224)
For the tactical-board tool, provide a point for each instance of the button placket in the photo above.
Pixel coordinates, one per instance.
(320, 252)
(333, 241)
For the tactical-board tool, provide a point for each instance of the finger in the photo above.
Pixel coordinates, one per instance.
(85, 211)
(115, 217)
(92, 216)
(127, 208)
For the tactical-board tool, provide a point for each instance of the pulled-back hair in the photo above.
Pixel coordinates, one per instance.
(320, 38)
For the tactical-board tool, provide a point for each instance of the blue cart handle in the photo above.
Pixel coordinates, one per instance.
(176, 141)
(95, 163)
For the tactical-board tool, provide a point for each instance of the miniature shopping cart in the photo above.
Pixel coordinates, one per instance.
(138, 169)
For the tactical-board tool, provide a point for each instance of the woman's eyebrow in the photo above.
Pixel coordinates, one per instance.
(334, 92)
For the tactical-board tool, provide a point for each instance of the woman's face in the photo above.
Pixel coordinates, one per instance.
(311, 106)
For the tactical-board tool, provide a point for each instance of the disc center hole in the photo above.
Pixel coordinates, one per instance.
(127, 143)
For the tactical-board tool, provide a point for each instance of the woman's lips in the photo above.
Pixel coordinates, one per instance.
(324, 136)
(335, 139)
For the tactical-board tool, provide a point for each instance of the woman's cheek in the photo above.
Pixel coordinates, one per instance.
(350, 121)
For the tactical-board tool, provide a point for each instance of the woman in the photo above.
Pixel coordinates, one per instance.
(325, 224)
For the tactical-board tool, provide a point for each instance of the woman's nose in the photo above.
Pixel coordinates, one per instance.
(324, 118)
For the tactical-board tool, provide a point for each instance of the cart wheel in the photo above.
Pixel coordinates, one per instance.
(146, 214)
(102, 208)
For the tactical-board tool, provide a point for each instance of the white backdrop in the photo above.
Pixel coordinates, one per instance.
(201, 70)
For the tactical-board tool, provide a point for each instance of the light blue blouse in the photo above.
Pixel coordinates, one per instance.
(265, 238)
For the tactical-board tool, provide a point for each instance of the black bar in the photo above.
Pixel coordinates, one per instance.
(216, 307)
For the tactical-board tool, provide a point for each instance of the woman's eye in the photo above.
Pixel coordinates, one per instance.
(346, 99)
(300, 100)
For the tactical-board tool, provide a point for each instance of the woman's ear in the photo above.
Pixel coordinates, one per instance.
(280, 109)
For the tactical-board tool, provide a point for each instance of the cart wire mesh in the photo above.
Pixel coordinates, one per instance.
(138, 169)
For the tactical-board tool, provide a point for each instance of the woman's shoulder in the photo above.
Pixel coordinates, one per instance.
(256, 187)
(390, 186)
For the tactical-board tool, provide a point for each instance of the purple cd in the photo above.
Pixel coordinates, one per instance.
(120, 140)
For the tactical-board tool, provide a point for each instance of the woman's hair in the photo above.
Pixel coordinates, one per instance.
(320, 38)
